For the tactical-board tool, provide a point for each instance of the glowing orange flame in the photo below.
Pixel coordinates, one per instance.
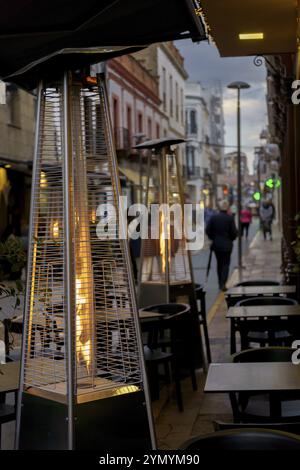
(83, 342)
(55, 229)
(93, 216)
(164, 238)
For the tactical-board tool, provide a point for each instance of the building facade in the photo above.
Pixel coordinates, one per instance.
(205, 136)
(197, 157)
(136, 116)
(17, 123)
(231, 162)
(146, 97)
(165, 63)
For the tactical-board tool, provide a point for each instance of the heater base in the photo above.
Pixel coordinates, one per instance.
(115, 423)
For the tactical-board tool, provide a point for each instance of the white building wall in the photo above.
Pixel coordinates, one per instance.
(173, 80)
(195, 102)
(139, 104)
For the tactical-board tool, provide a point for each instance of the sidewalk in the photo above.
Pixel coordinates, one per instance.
(262, 260)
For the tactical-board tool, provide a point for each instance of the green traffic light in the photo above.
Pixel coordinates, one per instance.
(270, 183)
(277, 184)
(257, 196)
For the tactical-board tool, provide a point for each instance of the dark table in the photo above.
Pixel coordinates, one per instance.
(253, 377)
(238, 314)
(148, 315)
(253, 291)
(264, 311)
(9, 377)
(274, 378)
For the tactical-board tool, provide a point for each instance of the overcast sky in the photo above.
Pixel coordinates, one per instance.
(203, 63)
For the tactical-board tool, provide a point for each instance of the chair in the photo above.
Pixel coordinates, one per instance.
(176, 322)
(293, 428)
(154, 358)
(7, 414)
(175, 332)
(257, 282)
(200, 295)
(266, 331)
(268, 408)
(244, 439)
(12, 326)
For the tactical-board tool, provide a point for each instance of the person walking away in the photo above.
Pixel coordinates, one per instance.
(208, 213)
(221, 229)
(246, 219)
(267, 215)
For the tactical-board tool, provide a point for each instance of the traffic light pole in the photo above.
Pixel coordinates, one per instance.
(239, 86)
(258, 172)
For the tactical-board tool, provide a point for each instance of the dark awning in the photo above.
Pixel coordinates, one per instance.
(159, 143)
(40, 37)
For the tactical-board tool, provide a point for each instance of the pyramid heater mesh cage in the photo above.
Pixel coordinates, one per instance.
(88, 275)
(165, 260)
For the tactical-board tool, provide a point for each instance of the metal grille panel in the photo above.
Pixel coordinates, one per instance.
(104, 327)
(165, 261)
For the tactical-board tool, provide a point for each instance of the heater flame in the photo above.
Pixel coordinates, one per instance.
(93, 216)
(163, 240)
(55, 229)
(83, 342)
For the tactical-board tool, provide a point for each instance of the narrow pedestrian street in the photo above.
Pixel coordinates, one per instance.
(149, 230)
(261, 261)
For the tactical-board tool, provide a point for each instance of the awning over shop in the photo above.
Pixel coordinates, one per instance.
(39, 38)
(252, 27)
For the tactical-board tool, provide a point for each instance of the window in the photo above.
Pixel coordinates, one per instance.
(157, 131)
(149, 125)
(129, 124)
(176, 102)
(116, 111)
(13, 106)
(190, 160)
(140, 123)
(181, 107)
(171, 96)
(164, 89)
(193, 121)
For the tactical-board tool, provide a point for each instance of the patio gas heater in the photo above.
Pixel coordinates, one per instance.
(83, 382)
(166, 273)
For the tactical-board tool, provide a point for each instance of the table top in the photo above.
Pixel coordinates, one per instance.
(260, 290)
(147, 314)
(253, 377)
(264, 311)
(9, 377)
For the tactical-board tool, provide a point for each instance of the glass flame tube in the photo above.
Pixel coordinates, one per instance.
(165, 225)
(84, 268)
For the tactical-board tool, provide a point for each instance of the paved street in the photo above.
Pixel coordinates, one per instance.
(200, 261)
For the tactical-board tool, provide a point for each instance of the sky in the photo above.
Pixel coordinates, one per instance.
(203, 63)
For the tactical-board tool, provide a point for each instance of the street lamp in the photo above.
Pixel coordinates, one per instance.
(239, 86)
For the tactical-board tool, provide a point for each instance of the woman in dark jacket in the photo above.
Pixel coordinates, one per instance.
(222, 230)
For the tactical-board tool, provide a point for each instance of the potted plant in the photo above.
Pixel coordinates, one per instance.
(12, 258)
